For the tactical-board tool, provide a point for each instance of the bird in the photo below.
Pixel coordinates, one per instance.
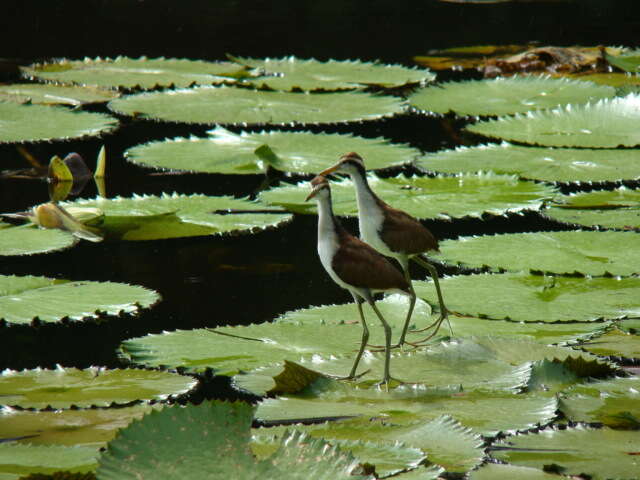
(356, 267)
(393, 233)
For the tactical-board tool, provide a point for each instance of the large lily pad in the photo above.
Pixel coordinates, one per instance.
(212, 441)
(547, 164)
(23, 299)
(27, 240)
(90, 427)
(171, 216)
(134, 72)
(607, 123)
(618, 208)
(300, 152)
(228, 105)
(587, 253)
(537, 298)
(54, 94)
(424, 197)
(599, 453)
(18, 460)
(496, 471)
(290, 72)
(40, 123)
(506, 95)
(615, 342)
(66, 387)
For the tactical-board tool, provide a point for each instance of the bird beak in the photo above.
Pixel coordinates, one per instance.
(329, 170)
(312, 194)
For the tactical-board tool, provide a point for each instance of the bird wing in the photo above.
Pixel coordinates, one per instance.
(360, 265)
(403, 233)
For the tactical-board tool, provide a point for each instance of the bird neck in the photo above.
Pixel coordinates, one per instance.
(367, 200)
(328, 224)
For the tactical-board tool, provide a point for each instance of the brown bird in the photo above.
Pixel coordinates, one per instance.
(393, 233)
(356, 267)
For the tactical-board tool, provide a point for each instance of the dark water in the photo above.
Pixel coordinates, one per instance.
(243, 279)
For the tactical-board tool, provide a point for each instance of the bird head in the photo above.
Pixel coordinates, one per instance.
(318, 184)
(350, 163)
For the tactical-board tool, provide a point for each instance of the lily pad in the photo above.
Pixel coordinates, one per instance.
(608, 123)
(90, 427)
(424, 197)
(615, 342)
(134, 72)
(27, 240)
(586, 253)
(506, 95)
(41, 123)
(619, 208)
(599, 453)
(537, 298)
(228, 105)
(18, 460)
(23, 299)
(565, 165)
(67, 387)
(300, 152)
(496, 471)
(628, 61)
(54, 94)
(294, 73)
(614, 403)
(171, 216)
(184, 442)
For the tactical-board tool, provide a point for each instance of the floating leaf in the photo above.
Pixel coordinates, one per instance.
(228, 105)
(614, 403)
(506, 95)
(186, 442)
(599, 453)
(300, 152)
(134, 72)
(547, 164)
(17, 460)
(172, 216)
(615, 342)
(90, 427)
(67, 387)
(294, 73)
(628, 61)
(26, 240)
(424, 197)
(38, 123)
(496, 471)
(537, 298)
(54, 94)
(587, 253)
(23, 299)
(618, 208)
(607, 123)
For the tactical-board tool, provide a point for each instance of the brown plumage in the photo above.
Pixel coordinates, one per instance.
(395, 226)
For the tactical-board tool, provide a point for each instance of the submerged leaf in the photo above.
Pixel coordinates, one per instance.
(228, 105)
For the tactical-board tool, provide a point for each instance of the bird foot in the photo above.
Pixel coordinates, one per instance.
(350, 377)
(389, 381)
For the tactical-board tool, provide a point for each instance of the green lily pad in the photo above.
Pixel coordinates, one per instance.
(424, 197)
(587, 253)
(134, 72)
(615, 342)
(608, 123)
(629, 61)
(599, 453)
(614, 403)
(547, 164)
(506, 95)
(496, 471)
(23, 299)
(27, 240)
(171, 216)
(90, 427)
(537, 298)
(294, 73)
(54, 94)
(67, 387)
(18, 460)
(615, 79)
(300, 152)
(184, 442)
(618, 208)
(228, 105)
(41, 123)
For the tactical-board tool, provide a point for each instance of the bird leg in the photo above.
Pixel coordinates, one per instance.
(365, 339)
(386, 377)
(444, 312)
